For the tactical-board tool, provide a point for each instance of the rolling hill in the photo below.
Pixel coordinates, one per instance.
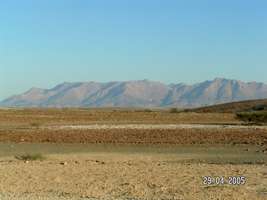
(233, 107)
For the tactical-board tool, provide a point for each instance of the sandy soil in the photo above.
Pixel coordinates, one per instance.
(125, 176)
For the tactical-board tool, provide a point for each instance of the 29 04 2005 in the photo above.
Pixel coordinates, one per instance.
(221, 180)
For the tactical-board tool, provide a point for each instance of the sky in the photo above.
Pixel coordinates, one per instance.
(44, 43)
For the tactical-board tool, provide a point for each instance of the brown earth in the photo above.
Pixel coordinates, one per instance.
(26, 117)
(137, 136)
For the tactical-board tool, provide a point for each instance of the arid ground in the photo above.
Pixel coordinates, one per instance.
(134, 154)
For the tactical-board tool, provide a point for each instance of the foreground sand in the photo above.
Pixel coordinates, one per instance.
(125, 176)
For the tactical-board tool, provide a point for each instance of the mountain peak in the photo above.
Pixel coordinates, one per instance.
(139, 93)
(221, 79)
(34, 90)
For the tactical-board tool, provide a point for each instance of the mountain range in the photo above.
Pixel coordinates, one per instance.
(143, 93)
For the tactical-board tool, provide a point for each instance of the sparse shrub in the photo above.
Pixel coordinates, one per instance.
(30, 157)
(148, 110)
(262, 191)
(260, 107)
(174, 110)
(35, 124)
(187, 110)
(253, 117)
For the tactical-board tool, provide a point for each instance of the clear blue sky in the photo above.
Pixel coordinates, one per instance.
(46, 42)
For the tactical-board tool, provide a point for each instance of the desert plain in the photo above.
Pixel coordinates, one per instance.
(133, 154)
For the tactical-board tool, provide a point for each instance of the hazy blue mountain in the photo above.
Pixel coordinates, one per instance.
(142, 93)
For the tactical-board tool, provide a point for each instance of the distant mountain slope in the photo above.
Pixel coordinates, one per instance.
(139, 94)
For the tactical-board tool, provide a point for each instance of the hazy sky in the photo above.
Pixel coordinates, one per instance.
(46, 42)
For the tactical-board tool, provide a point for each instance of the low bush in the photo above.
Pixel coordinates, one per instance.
(30, 157)
(260, 107)
(252, 117)
(148, 110)
(174, 110)
(35, 124)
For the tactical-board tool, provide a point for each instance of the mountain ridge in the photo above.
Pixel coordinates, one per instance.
(139, 93)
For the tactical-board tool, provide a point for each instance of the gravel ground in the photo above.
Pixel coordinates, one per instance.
(157, 126)
(54, 197)
(114, 176)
